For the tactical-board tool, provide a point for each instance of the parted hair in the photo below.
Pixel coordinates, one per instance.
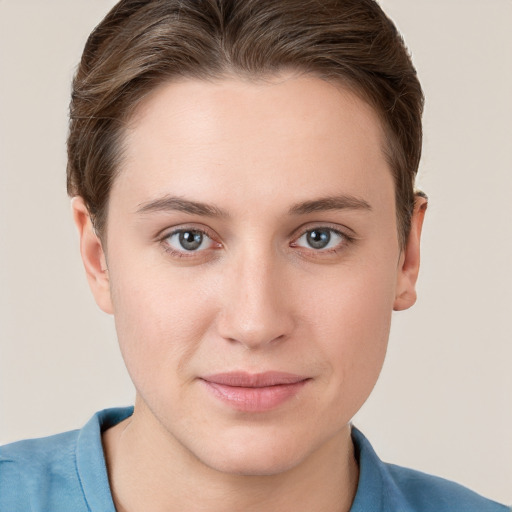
(142, 44)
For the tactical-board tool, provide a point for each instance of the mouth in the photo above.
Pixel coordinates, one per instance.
(254, 392)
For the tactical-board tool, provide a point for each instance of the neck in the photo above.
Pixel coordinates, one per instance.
(157, 473)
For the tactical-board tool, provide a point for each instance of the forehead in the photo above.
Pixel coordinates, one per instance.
(286, 138)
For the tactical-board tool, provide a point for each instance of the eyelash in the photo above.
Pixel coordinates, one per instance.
(345, 241)
(185, 254)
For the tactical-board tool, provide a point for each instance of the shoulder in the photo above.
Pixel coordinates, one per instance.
(387, 487)
(31, 470)
(427, 493)
(35, 452)
(59, 473)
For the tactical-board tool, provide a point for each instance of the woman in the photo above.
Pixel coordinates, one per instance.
(242, 176)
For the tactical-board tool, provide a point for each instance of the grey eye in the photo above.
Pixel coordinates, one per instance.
(318, 238)
(321, 238)
(189, 240)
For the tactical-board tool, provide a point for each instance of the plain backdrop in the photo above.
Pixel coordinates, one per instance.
(444, 400)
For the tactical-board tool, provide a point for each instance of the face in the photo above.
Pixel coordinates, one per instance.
(253, 265)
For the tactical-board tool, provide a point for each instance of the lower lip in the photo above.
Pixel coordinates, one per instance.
(256, 399)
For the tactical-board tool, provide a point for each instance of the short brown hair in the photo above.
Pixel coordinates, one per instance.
(142, 44)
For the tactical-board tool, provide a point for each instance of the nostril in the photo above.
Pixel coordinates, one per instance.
(256, 310)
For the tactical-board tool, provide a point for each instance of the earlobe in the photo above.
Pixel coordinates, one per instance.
(409, 264)
(93, 255)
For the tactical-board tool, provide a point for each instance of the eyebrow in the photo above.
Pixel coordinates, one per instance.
(341, 202)
(172, 203)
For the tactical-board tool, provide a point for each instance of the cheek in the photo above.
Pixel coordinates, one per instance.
(160, 321)
(352, 320)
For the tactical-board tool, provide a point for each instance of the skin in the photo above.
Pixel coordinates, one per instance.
(256, 296)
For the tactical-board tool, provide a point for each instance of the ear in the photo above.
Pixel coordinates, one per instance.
(93, 256)
(409, 264)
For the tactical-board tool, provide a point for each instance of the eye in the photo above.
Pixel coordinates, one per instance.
(189, 240)
(321, 239)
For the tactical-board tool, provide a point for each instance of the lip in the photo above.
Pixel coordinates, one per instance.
(254, 392)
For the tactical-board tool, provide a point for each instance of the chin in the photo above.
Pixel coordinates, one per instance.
(246, 463)
(255, 454)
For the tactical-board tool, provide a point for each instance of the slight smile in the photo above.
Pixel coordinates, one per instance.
(254, 392)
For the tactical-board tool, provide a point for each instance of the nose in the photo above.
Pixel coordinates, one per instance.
(257, 306)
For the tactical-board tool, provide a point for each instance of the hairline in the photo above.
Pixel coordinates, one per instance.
(341, 82)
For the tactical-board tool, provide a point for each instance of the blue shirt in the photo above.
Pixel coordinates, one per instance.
(67, 472)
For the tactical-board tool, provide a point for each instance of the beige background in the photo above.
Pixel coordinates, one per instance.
(444, 401)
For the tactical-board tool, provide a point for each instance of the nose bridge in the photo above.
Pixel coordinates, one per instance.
(255, 309)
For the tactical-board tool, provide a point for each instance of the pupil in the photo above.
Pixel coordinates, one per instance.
(318, 239)
(191, 240)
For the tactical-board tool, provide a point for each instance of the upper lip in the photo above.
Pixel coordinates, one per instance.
(254, 380)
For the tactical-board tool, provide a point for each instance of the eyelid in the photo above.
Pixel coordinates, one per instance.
(311, 226)
(348, 238)
(170, 230)
(166, 233)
